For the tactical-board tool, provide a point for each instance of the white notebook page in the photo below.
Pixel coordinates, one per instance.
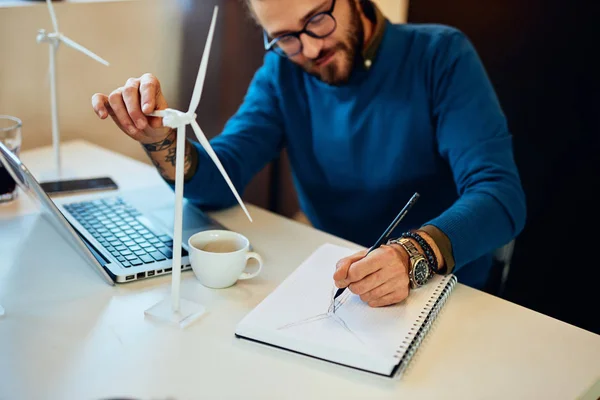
(295, 316)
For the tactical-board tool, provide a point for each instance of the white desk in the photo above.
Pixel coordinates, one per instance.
(67, 335)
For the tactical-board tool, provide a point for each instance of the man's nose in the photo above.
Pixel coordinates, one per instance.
(311, 47)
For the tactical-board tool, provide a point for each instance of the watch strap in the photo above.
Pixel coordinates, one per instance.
(410, 248)
(413, 254)
(429, 254)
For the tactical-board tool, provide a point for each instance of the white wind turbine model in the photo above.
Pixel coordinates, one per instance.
(181, 311)
(54, 39)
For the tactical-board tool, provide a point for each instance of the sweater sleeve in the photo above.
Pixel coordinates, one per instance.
(473, 137)
(251, 138)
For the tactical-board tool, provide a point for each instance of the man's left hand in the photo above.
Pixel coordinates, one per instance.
(380, 279)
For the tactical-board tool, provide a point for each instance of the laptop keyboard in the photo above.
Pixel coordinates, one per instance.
(113, 223)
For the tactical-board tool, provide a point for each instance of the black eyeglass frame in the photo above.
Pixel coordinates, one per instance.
(271, 45)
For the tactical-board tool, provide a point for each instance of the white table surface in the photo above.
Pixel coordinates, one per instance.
(68, 335)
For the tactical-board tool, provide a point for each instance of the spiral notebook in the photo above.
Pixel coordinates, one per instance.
(297, 316)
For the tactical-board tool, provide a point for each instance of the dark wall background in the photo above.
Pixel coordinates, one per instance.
(542, 59)
(236, 54)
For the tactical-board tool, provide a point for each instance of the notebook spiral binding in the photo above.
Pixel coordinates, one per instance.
(421, 327)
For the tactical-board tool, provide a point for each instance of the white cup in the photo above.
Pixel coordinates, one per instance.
(219, 258)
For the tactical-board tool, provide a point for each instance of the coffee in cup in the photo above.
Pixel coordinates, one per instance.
(219, 258)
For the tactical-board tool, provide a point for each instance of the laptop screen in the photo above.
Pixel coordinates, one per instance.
(32, 188)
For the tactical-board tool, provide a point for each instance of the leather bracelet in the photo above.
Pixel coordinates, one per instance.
(429, 254)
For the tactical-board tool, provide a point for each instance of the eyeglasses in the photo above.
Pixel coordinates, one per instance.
(318, 26)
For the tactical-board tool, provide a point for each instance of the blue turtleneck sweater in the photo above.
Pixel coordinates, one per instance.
(423, 118)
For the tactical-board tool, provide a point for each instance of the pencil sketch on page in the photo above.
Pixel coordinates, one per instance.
(329, 314)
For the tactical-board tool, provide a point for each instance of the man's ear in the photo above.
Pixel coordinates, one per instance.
(360, 4)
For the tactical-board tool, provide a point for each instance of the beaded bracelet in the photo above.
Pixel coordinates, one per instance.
(433, 264)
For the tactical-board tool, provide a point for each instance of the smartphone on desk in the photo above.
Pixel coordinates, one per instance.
(79, 185)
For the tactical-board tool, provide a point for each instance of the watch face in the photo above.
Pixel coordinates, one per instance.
(421, 272)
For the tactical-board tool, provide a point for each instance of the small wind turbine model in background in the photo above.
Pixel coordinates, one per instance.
(181, 311)
(55, 39)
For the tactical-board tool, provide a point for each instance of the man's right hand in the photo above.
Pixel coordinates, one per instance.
(128, 106)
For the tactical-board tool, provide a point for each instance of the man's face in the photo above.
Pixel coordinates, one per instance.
(330, 59)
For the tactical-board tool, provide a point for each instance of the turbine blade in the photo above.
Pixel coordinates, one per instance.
(78, 47)
(52, 15)
(204, 142)
(197, 93)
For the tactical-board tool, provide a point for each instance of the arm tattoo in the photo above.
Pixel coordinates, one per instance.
(162, 144)
(188, 160)
(171, 155)
(159, 167)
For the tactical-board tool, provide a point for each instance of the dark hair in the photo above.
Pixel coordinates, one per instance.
(249, 12)
(248, 6)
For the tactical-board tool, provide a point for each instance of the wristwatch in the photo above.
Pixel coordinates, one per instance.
(419, 271)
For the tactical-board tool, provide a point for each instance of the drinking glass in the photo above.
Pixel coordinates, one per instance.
(10, 136)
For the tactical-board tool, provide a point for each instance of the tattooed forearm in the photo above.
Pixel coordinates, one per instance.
(188, 160)
(191, 161)
(171, 156)
(162, 144)
(154, 157)
(160, 169)
(164, 158)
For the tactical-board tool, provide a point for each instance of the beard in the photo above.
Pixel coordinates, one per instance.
(338, 73)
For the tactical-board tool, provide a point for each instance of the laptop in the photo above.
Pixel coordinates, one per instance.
(125, 236)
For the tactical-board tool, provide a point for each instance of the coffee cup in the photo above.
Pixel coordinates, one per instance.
(219, 258)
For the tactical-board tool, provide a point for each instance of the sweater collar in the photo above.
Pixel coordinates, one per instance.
(371, 48)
